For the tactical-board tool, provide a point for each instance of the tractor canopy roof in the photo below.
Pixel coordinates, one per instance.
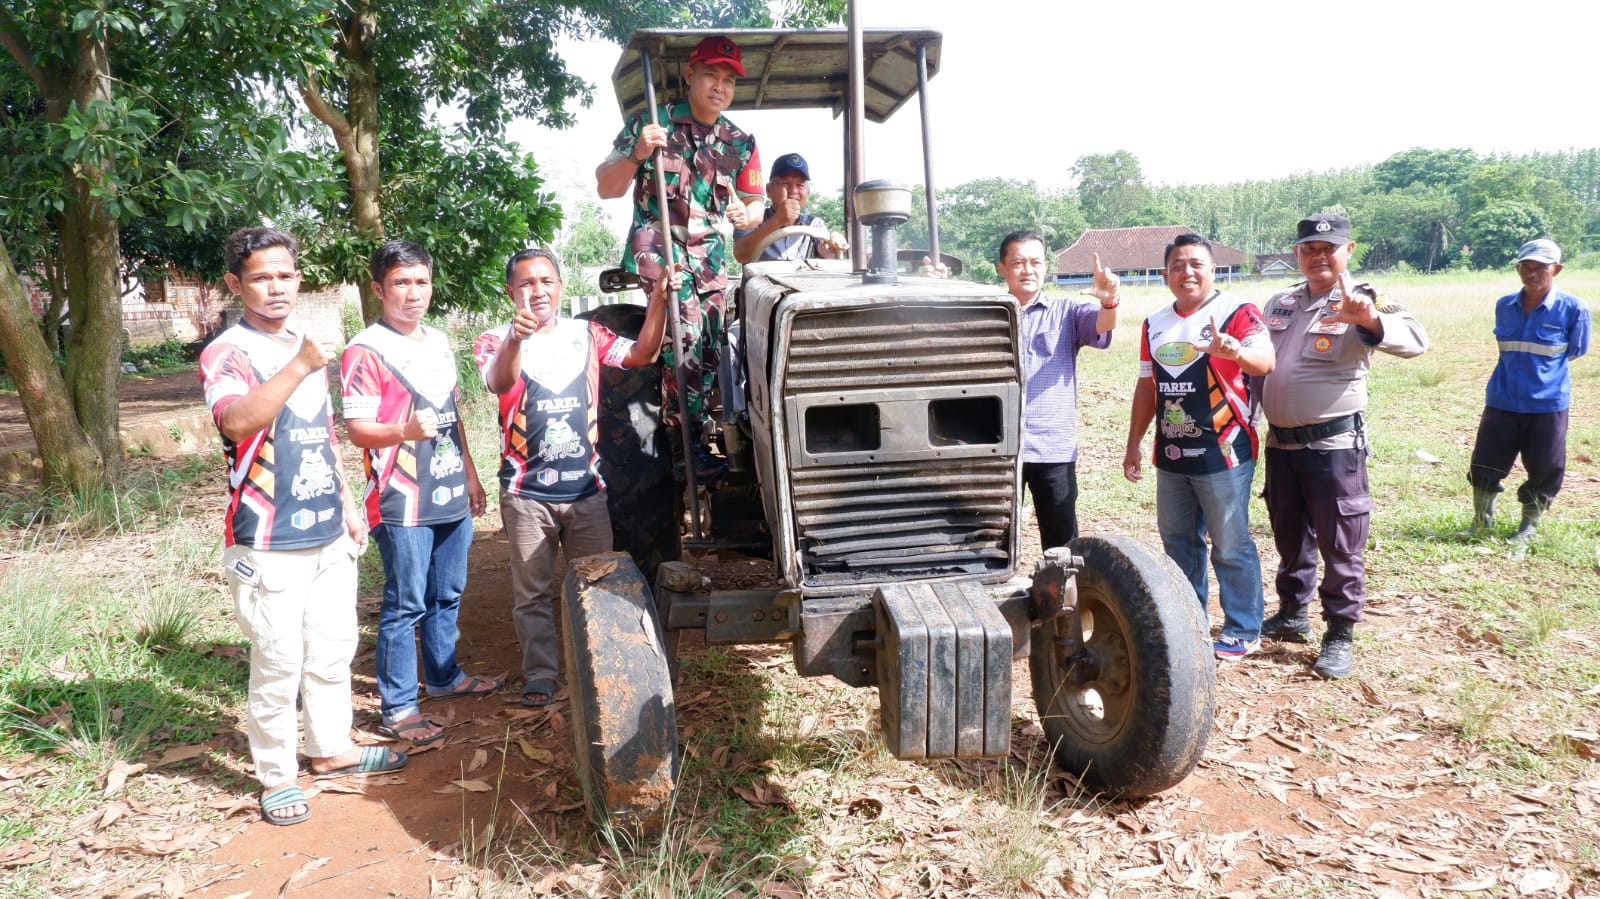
(786, 68)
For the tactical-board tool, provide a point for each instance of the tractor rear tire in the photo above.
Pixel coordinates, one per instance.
(625, 732)
(1140, 724)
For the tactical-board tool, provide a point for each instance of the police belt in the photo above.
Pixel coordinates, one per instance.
(1307, 434)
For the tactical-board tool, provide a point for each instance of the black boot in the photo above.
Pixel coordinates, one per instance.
(1338, 653)
(708, 467)
(1288, 624)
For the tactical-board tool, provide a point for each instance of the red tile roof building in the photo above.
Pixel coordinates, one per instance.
(1134, 253)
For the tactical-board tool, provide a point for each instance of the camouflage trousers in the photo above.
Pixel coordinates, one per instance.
(700, 336)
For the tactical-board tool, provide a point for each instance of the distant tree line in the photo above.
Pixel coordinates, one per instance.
(1425, 209)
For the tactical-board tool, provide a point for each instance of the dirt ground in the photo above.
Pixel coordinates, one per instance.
(1307, 787)
(140, 399)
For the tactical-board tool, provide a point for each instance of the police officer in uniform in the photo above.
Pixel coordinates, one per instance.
(1324, 331)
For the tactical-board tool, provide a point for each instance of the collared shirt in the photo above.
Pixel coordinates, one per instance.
(1532, 374)
(795, 247)
(1053, 329)
(1321, 372)
(1202, 404)
(706, 168)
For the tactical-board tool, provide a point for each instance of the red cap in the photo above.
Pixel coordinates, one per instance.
(717, 49)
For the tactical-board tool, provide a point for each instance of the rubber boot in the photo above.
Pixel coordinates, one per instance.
(1338, 655)
(1525, 531)
(1482, 513)
(1530, 523)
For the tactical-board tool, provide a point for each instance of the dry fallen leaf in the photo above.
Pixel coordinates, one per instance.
(119, 774)
(480, 757)
(1472, 886)
(18, 854)
(534, 753)
(473, 786)
(179, 754)
(1537, 880)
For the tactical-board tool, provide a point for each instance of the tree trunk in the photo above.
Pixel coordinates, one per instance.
(366, 178)
(355, 130)
(70, 461)
(53, 313)
(91, 254)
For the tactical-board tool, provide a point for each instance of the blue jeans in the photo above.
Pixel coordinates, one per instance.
(424, 572)
(1190, 506)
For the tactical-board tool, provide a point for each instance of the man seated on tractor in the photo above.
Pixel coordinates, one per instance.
(788, 188)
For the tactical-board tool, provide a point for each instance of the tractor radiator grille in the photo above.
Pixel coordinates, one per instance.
(899, 346)
(904, 520)
(947, 514)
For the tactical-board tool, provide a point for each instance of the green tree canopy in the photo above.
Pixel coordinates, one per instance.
(1111, 188)
(1499, 228)
(120, 116)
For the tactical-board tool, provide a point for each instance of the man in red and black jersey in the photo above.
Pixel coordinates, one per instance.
(546, 371)
(1193, 359)
(292, 532)
(402, 405)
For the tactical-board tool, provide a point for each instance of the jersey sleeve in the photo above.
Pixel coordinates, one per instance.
(1145, 368)
(225, 376)
(609, 348)
(361, 374)
(483, 352)
(1247, 325)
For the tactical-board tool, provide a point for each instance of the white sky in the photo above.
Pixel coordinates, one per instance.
(1200, 93)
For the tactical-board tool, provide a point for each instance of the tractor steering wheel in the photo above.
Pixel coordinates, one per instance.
(815, 232)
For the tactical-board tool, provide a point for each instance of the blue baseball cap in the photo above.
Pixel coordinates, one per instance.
(790, 162)
(1541, 250)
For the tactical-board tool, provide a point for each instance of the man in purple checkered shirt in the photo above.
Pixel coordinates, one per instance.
(1052, 331)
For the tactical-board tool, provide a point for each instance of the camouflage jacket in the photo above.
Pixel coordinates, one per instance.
(707, 167)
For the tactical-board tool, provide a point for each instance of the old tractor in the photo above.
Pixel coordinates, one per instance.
(871, 422)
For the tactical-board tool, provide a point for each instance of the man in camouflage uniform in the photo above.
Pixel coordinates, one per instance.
(1324, 330)
(713, 179)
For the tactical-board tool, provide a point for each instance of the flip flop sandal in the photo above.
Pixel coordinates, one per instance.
(537, 687)
(407, 731)
(374, 760)
(284, 797)
(472, 686)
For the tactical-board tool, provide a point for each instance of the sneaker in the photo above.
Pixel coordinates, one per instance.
(1234, 648)
(1288, 624)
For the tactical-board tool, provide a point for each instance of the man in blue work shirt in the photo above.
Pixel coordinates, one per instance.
(1539, 330)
